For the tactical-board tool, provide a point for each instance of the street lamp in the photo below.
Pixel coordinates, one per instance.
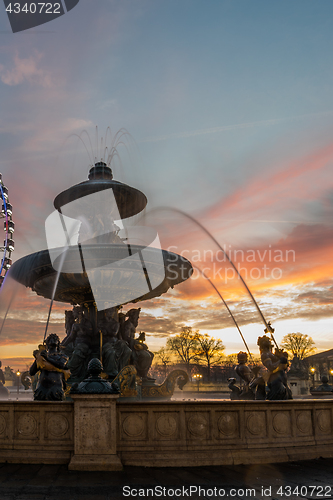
(18, 373)
(197, 377)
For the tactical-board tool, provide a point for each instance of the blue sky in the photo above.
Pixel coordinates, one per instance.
(229, 104)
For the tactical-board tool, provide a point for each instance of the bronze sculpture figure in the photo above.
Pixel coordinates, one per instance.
(52, 365)
(82, 337)
(276, 364)
(244, 392)
(141, 357)
(116, 352)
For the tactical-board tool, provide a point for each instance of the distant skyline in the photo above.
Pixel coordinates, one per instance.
(229, 106)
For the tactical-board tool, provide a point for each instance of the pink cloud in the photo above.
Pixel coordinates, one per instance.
(280, 187)
(26, 70)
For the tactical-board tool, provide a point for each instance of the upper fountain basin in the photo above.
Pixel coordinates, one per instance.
(130, 201)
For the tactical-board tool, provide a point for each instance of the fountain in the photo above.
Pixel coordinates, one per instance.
(95, 262)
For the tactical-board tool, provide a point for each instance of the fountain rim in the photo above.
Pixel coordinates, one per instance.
(40, 267)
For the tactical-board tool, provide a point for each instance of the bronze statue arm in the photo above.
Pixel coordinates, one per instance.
(268, 363)
(33, 368)
(43, 363)
(57, 364)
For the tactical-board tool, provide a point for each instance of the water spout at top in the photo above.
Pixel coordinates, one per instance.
(100, 171)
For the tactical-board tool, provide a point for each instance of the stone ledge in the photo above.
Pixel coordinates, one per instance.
(95, 463)
(226, 457)
(35, 457)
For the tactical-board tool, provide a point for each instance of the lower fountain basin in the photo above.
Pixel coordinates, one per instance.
(164, 434)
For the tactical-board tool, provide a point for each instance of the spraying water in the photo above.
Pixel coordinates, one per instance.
(10, 292)
(267, 324)
(61, 263)
(226, 305)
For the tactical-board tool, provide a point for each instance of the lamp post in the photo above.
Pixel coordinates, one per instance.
(197, 377)
(18, 373)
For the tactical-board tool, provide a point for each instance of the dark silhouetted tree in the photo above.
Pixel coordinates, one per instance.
(210, 352)
(298, 344)
(185, 346)
(164, 356)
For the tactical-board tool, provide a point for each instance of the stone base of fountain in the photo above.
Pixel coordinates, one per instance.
(95, 433)
(98, 432)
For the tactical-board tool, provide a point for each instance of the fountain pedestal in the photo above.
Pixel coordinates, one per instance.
(95, 438)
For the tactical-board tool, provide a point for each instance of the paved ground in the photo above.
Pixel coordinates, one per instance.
(278, 482)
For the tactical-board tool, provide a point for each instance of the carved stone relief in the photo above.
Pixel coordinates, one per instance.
(26, 426)
(281, 423)
(228, 424)
(324, 421)
(134, 426)
(256, 423)
(166, 426)
(3, 424)
(57, 425)
(197, 425)
(304, 422)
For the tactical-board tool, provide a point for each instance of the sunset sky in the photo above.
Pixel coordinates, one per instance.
(229, 107)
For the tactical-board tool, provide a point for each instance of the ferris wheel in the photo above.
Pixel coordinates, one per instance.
(9, 226)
